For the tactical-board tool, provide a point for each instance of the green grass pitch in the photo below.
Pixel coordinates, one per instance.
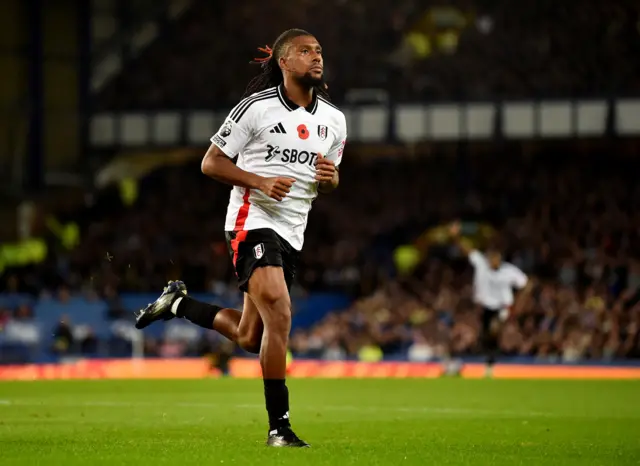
(348, 422)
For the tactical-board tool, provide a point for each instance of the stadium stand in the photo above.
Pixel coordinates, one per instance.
(565, 212)
(447, 51)
(572, 226)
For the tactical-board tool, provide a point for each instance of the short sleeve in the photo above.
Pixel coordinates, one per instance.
(337, 148)
(237, 129)
(476, 258)
(519, 279)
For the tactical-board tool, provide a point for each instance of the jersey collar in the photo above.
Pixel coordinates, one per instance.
(291, 105)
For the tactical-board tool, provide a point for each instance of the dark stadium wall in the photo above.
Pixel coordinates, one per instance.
(61, 84)
(55, 26)
(13, 85)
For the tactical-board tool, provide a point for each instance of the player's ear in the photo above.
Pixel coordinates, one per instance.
(282, 62)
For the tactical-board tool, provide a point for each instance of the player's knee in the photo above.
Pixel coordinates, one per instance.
(277, 316)
(274, 297)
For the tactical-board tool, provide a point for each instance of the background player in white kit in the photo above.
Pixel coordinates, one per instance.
(493, 283)
(289, 140)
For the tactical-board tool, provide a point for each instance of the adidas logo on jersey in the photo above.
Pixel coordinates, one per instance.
(278, 129)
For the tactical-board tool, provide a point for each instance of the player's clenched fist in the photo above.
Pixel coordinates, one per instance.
(278, 187)
(325, 169)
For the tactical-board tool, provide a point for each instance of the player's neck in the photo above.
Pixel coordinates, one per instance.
(298, 94)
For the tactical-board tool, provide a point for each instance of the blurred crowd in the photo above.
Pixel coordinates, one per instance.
(567, 214)
(558, 322)
(571, 223)
(448, 49)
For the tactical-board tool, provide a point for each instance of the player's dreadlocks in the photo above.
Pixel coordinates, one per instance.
(271, 75)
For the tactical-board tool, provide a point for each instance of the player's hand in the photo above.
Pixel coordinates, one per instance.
(455, 228)
(325, 169)
(277, 187)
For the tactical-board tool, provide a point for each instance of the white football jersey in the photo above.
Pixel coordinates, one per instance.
(492, 288)
(272, 136)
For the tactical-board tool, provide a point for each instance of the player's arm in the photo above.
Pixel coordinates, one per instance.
(327, 165)
(524, 285)
(456, 237)
(217, 165)
(327, 175)
(231, 139)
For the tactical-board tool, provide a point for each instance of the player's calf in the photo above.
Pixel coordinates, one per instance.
(197, 312)
(268, 290)
(276, 315)
(235, 325)
(243, 328)
(250, 328)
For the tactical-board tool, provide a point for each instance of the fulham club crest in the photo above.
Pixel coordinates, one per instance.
(322, 132)
(258, 251)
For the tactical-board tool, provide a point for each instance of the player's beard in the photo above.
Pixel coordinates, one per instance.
(308, 80)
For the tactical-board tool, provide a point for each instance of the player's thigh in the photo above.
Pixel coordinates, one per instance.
(290, 258)
(261, 260)
(268, 290)
(251, 326)
(487, 319)
(495, 324)
(490, 319)
(251, 250)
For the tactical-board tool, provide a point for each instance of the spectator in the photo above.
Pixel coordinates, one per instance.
(63, 336)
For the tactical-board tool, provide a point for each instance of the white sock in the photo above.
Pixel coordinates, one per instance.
(174, 306)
